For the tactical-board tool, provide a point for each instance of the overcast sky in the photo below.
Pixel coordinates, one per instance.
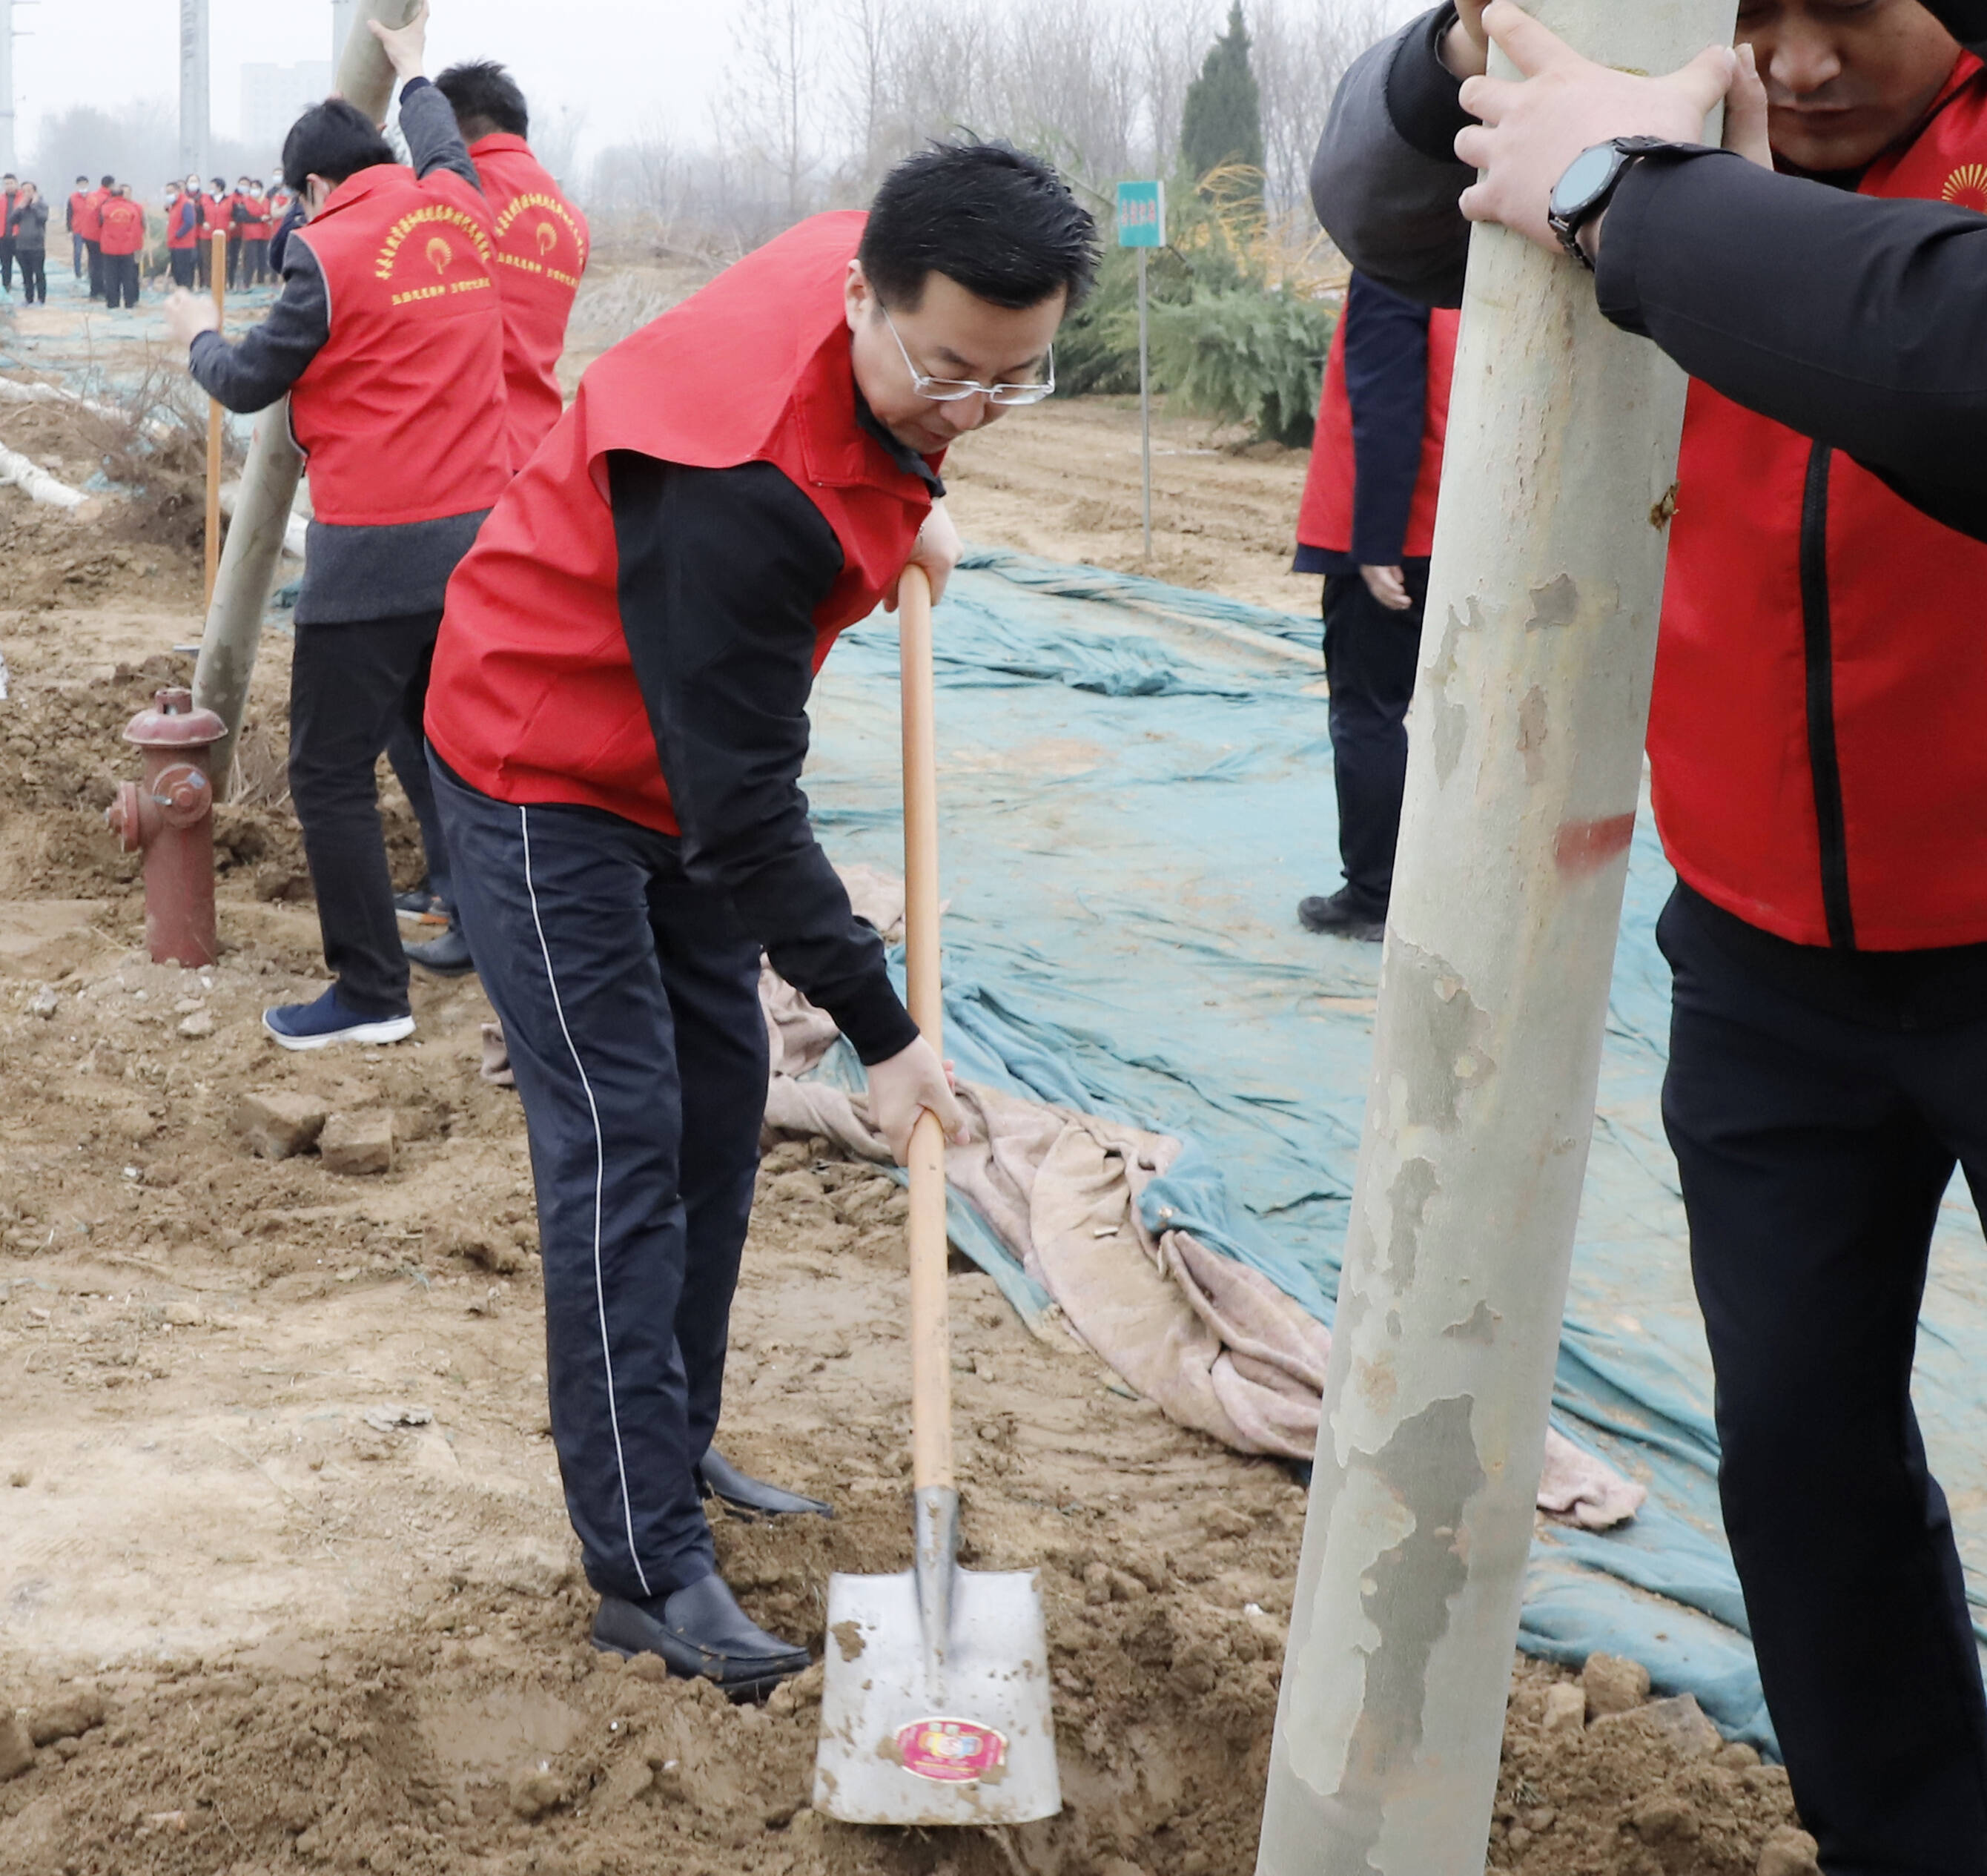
(621, 61)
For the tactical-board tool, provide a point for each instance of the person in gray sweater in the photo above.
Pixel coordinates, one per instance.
(28, 228)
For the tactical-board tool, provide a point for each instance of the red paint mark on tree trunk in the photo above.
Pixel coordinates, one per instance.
(1586, 846)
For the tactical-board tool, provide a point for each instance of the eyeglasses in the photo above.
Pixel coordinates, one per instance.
(952, 390)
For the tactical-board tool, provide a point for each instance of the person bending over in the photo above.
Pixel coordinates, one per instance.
(618, 720)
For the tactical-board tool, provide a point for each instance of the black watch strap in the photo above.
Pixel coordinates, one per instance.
(1566, 218)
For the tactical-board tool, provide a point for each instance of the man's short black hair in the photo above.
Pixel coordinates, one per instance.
(480, 91)
(82, 179)
(109, 182)
(333, 139)
(999, 221)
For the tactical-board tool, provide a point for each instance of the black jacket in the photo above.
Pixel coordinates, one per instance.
(1858, 322)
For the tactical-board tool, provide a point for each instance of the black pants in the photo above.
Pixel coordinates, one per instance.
(120, 279)
(95, 268)
(181, 260)
(630, 1002)
(34, 275)
(407, 750)
(1814, 1151)
(350, 686)
(1370, 657)
(81, 256)
(255, 260)
(234, 262)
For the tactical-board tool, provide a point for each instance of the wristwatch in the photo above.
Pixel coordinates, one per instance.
(1589, 184)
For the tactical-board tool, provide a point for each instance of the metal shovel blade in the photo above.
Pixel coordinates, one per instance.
(959, 1733)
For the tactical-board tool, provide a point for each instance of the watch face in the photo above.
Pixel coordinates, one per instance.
(1585, 175)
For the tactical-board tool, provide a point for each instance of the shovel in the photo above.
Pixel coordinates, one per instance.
(935, 1709)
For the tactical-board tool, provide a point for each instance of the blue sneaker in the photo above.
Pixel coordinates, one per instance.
(316, 1025)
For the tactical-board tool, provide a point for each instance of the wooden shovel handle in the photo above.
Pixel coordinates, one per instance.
(931, 1342)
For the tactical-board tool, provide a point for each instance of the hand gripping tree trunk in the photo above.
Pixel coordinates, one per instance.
(1525, 753)
(248, 573)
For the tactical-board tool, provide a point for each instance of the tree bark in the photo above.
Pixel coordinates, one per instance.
(1525, 759)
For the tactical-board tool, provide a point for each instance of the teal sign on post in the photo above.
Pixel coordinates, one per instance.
(1142, 214)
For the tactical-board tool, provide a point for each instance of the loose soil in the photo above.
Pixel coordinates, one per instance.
(285, 1575)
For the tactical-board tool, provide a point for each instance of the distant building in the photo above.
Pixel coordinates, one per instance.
(274, 96)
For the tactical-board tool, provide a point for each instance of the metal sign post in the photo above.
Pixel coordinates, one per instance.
(1141, 224)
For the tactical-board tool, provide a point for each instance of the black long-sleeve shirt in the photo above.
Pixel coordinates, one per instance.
(1859, 321)
(1386, 387)
(349, 573)
(719, 573)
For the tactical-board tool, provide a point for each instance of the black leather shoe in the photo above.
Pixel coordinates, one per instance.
(446, 956)
(1339, 916)
(746, 1497)
(701, 1630)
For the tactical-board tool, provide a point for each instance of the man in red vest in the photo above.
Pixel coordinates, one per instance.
(73, 216)
(255, 232)
(1819, 778)
(1367, 523)
(217, 215)
(121, 223)
(542, 243)
(388, 337)
(89, 224)
(618, 717)
(183, 224)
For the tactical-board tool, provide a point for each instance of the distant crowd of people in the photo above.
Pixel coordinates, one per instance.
(110, 233)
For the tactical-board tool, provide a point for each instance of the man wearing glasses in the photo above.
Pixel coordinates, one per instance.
(617, 722)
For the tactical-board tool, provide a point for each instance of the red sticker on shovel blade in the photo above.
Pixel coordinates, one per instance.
(954, 1752)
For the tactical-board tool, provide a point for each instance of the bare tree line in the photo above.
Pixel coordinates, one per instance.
(823, 98)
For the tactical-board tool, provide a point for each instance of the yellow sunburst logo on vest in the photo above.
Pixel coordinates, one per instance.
(439, 254)
(1967, 187)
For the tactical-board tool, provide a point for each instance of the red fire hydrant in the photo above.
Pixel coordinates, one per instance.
(168, 816)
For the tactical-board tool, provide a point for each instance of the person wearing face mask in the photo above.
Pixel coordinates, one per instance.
(618, 720)
(183, 220)
(28, 223)
(1818, 771)
(389, 338)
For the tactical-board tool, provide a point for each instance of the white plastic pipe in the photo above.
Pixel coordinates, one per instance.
(1525, 752)
(255, 540)
(35, 482)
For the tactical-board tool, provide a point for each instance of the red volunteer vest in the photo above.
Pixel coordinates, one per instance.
(78, 215)
(533, 697)
(89, 215)
(401, 413)
(216, 211)
(542, 243)
(123, 227)
(177, 237)
(1325, 519)
(257, 228)
(1886, 847)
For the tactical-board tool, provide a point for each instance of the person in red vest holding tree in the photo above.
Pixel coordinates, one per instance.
(121, 223)
(1819, 775)
(1367, 523)
(618, 720)
(388, 337)
(542, 243)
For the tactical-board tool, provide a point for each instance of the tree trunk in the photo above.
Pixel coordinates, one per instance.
(1525, 758)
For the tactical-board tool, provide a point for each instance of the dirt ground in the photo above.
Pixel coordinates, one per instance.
(285, 1575)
